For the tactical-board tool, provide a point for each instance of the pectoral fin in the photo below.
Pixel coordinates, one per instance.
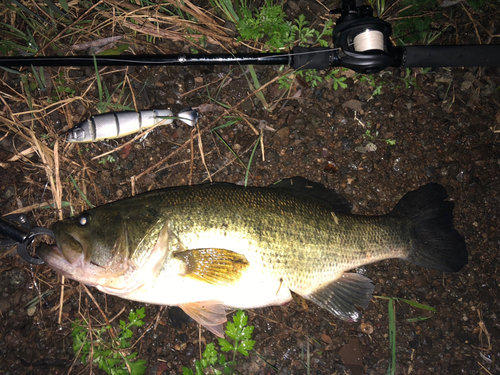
(210, 314)
(340, 297)
(213, 266)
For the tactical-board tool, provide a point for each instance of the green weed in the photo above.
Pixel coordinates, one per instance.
(269, 22)
(408, 80)
(270, 26)
(257, 142)
(108, 158)
(307, 36)
(372, 137)
(285, 81)
(240, 333)
(227, 9)
(80, 192)
(415, 21)
(337, 81)
(311, 76)
(105, 99)
(378, 6)
(111, 354)
(391, 370)
(373, 82)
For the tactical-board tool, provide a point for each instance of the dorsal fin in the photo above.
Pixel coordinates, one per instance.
(316, 190)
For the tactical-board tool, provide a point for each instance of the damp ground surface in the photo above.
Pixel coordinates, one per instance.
(441, 126)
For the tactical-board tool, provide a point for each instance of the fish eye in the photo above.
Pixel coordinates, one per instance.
(83, 220)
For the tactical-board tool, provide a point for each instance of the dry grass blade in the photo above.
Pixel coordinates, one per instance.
(197, 13)
(112, 331)
(200, 145)
(147, 21)
(42, 50)
(192, 157)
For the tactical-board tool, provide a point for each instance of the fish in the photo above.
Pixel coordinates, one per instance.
(206, 248)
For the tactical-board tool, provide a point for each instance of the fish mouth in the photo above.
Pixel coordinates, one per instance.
(67, 258)
(53, 257)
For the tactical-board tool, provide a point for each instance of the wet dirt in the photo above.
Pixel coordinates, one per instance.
(445, 125)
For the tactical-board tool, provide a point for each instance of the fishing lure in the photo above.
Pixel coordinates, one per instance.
(119, 124)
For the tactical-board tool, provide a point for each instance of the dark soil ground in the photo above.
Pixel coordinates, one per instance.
(446, 128)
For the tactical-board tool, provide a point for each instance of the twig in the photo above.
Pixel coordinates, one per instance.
(192, 158)
(262, 146)
(202, 154)
(42, 50)
(61, 301)
(473, 23)
(201, 87)
(112, 332)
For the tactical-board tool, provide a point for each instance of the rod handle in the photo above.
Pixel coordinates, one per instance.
(451, 56)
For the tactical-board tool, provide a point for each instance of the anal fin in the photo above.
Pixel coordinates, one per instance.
(210, 314)
(213, 266)
(341, 296)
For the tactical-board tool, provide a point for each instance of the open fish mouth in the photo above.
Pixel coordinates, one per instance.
(55, 259)
(67, 258)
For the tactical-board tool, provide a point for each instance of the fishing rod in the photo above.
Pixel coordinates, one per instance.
(362, 44)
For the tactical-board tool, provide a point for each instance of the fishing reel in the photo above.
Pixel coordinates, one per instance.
(364, 40)
(362, 43)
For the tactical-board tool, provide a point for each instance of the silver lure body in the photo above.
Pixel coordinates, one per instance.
(119, 124)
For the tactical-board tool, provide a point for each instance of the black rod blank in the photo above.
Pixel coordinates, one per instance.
(131, 60)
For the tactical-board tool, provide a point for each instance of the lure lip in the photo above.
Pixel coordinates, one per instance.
(188, 116)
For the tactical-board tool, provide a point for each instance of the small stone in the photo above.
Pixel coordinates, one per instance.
(351, 353)
(466, 86)
(468, 76)
(353, 104)
(247, 106)
(281, 137)
(189, 82)
(430, 171)
(9, 192)
(327, 339)
(31, 311)
(198, 81)
(347, 144)
(366, 328)
(396, 166)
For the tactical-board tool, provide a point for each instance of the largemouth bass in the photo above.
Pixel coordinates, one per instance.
(208, 247)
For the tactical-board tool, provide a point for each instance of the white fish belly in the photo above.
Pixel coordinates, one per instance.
(253, 290)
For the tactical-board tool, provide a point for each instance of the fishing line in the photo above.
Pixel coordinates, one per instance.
(369, 40)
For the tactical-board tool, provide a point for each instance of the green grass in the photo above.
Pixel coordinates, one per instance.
(105, 99)
(415, 23)
(213, 362)
(111, 354)
(80, 192)
(247, 174)
(391, 370)
(266, 24)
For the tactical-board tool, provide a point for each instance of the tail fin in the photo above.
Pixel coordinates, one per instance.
(435, 243)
